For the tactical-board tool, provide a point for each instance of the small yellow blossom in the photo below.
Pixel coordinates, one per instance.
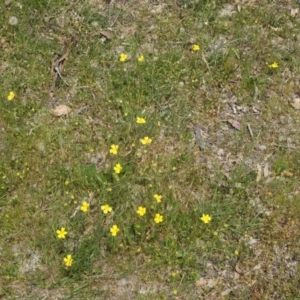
(123, 57)
(106, 208)
(206, 218)
(157, 197)
(196, 47)
(140, 120)
(146, 140)
(118, 168)
(274, 65)
(236, 252)
(141, 211)
(68, 260)
(61, 233)
(114, 149)
(67, 182)
(11, 96)
(141, 58)
(114, 230)
(158, 218)
(85, 206)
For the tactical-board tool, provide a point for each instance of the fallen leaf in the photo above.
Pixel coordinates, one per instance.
(296, 103)
(266, 170)
(206, 282)
(294, 11)
(235, 124)
(61, 110)
(286, 173)
(259, 172)
(106, 34)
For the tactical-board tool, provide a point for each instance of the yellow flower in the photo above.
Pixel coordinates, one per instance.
(146, 140)
(157, 197)
(140, 120)
(274, 65)
(206, 218)
(68, 260)
(11, 96)
(114, 230)
(158, 218)
(141, 58)
(61, 234)
(196, 47)
(141, 211)
(118, 168)
(85, 206)
(114, 149)
(106, 208)
(123, 57)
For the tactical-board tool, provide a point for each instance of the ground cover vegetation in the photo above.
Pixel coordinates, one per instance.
(149, 149)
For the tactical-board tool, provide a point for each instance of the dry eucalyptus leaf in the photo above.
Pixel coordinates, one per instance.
(106, 34)
(235, 124)
(296, 103)
(61, 110)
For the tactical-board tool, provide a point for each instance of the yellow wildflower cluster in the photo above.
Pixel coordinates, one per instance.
(205, 218)
(84, 206)
(11, 96)
(106, 208)
(196, 47)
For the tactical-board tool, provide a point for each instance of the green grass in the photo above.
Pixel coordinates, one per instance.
(51, 165)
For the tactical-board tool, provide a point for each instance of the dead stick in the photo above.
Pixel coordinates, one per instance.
(250, 130)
